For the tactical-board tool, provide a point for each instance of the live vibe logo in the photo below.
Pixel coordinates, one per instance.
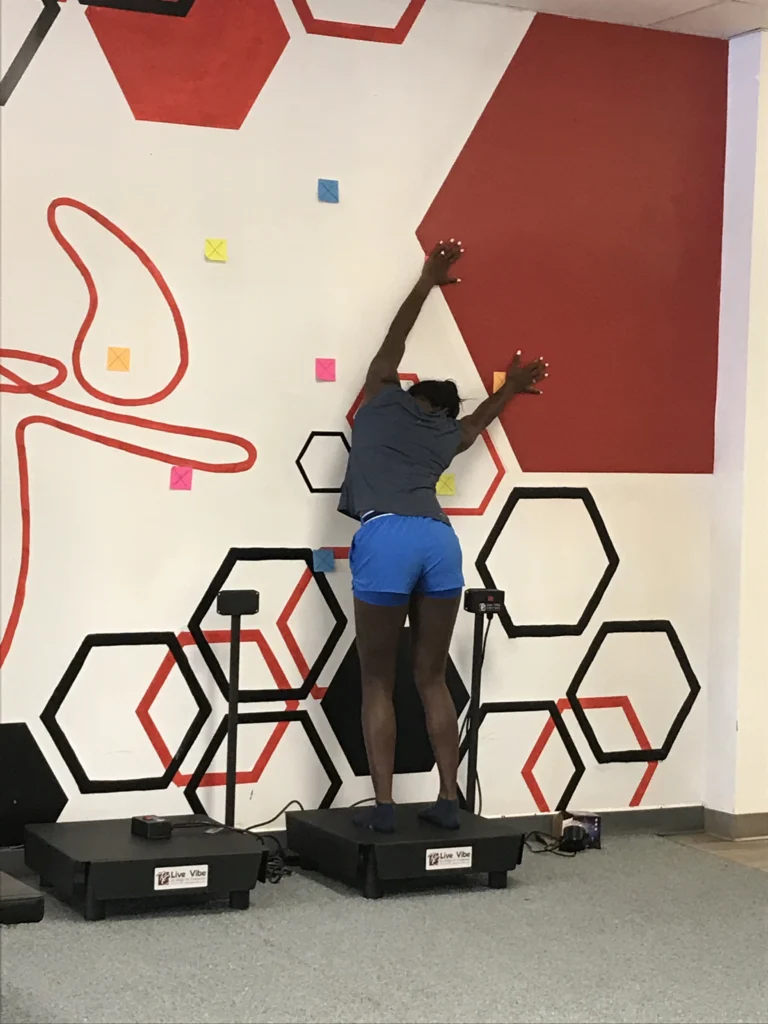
(445, 858)
(181, 876)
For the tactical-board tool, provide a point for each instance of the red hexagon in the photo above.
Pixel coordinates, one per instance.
(475, 510)
(589, 197)
(563, 704)
(204, 69)
(215, 636)
(351, 30)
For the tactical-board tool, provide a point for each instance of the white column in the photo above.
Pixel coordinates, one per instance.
(737, 748)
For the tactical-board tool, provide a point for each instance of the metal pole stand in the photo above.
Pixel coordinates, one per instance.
(483, 604)
(235, 604)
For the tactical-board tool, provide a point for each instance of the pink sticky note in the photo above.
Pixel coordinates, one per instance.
(325, 369)
(181, 478)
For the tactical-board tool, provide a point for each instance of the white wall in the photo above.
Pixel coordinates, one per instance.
(737, 776)
(114, 550)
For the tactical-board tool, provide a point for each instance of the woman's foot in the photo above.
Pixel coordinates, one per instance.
(444, 813)
(380, 817)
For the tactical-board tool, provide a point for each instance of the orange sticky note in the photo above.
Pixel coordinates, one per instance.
(499, 379)
(118, 359)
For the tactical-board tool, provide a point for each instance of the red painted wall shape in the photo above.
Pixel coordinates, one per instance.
(205, 69)
(589, 200)
(352, 30)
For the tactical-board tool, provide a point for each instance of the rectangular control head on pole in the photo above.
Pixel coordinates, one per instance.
(483, 601)
(237, 602)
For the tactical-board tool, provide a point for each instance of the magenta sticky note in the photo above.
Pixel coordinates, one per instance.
(181, 478)
(325, 369)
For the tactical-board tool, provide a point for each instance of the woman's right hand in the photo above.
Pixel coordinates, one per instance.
(522, 378)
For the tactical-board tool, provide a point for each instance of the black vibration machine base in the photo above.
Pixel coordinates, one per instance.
(88, 863)
(19, 903)
(330, 842)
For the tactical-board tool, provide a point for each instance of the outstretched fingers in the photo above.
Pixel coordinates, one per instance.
(442, 258)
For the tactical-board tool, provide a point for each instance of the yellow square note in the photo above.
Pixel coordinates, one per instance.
(119, 359)
(446, 484)
(216, 250)
(499, 379)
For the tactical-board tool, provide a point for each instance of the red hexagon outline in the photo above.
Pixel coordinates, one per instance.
(625, 704)
(318, 692)
(215, 636)
(351, 30)
(478, 510)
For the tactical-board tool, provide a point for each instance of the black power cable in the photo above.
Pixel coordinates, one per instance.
(465, 723)
(280, 813)
(276, 865)
(545, 843)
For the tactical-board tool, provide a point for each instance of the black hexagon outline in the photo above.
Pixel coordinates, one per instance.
(195, 625)
(305, 449)
(48, 716)
(550, 706)
(28, 49)
(49, 14)
(694, 687)
(547, 493)
(172, 8)
(253, 717)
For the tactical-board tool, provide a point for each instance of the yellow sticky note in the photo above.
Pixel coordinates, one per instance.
(216, 250)
(446, 484)
(119, 359)
(499, 379)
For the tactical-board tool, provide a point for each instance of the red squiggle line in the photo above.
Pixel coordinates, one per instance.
(44, 391)
(93, 304)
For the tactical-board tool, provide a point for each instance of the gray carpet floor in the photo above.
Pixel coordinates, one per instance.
(643, 931)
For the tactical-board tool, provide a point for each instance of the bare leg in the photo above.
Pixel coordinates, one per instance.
(432, 621)
(378, 636)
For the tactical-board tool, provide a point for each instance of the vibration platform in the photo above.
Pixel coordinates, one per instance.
(330, 842)
(91, 863)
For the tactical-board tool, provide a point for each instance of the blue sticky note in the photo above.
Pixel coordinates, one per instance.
(327, 190)
(323, 560)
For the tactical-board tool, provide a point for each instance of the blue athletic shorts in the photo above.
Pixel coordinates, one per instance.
(394, 556)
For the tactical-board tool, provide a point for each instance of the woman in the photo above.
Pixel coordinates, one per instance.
(405, 558)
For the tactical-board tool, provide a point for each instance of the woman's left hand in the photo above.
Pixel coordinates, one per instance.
(522, 377)
(437, 269)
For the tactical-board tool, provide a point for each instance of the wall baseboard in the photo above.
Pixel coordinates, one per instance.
(736, 826)
(643, 821)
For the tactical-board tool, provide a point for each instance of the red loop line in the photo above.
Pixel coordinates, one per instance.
(23, 387)
(93, 304)
(45, 390)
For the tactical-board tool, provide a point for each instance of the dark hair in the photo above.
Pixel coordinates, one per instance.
(442, 394)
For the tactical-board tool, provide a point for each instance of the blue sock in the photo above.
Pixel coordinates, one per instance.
(380, 817)
(444, 813)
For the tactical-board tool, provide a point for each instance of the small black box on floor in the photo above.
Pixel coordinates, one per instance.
(330, 842)
(92, 862)
(19, 903)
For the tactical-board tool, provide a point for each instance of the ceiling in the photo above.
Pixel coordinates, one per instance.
(721, 18)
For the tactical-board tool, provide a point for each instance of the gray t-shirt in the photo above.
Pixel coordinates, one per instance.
(399, 451)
